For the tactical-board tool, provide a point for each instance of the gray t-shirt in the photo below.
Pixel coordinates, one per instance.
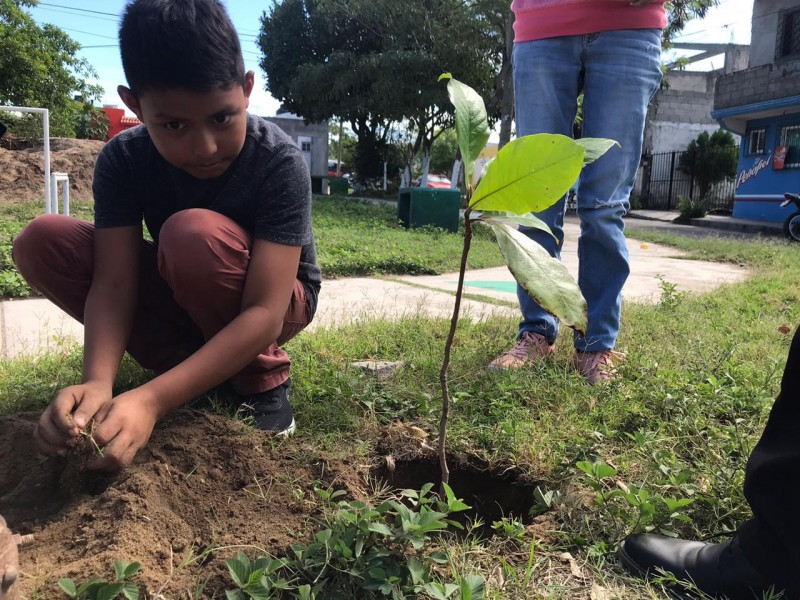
(267, 190)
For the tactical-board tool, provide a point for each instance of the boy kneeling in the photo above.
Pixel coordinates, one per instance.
(231, 273)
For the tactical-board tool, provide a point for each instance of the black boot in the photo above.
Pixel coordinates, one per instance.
(719, 570)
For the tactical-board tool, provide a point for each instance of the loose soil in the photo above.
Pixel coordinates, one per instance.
(22, 169)
(203, 481)
(204, 487)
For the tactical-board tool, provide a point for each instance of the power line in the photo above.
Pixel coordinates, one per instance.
(242, 32)
(97, 12)
(108, 37)
(64, 12)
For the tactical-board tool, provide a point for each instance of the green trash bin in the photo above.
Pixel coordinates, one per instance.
(417, 207)
(339, 186)
(316, 184)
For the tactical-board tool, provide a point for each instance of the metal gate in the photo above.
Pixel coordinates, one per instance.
(667, 176)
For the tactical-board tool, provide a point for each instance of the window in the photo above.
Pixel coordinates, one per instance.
(790, 137)
(756, 141)
(305, 146)
(788, 44)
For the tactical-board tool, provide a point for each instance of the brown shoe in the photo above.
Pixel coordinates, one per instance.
(530, 348)
(597, 367)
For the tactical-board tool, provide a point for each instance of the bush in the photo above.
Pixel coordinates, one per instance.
(691, 208)
(709, 160)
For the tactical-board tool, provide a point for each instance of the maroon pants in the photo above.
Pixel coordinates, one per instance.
(190, 287)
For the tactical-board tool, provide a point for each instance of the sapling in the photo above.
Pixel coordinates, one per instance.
(528, 175)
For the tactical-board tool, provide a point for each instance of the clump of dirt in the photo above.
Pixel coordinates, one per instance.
(22, 169)
(203, 481)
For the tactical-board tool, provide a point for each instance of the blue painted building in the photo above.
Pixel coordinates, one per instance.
(762, 104)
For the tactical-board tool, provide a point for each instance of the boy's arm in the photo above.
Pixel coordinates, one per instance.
(269, 285)
(111, 302)
(108, 316)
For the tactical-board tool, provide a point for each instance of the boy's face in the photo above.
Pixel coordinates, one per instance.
(201, 133)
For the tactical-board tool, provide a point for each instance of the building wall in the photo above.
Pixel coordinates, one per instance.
(767, 78)
(758, 84)
(769, 84)
(675, 137)
(759, 187)
(682, 110)
(318, 132)
(766, 14)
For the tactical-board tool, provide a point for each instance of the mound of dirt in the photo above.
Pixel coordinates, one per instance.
(203, 481)
(22, 170)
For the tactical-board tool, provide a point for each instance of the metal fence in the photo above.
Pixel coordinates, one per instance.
(668, 176)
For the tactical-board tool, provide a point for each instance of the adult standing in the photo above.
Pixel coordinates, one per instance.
(609, 50)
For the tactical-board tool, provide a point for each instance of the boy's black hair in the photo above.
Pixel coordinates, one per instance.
(186, 44)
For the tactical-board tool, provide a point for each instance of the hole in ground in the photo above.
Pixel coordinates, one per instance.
(492, 496)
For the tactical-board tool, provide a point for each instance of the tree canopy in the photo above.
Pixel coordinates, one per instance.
(39, 68)
(374, 63)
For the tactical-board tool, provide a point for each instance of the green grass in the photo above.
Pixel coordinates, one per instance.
(353, 238)
(13, 218)
(701, 375)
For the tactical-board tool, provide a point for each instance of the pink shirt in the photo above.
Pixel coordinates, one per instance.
(537, 19)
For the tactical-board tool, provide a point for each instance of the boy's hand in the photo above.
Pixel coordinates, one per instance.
(58, 427)
(124, 426)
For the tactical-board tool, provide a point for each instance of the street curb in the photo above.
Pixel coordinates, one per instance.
(720, 223)
(743, 227)
(641, 217)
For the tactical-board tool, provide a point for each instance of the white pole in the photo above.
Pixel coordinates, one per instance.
(46, 134)
(455, 174)
(339, 151)
(65, 207)
(384, 176)
(49, 208)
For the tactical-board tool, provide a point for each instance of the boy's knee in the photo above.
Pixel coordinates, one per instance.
(41, 239)
(199, 237)
(186, 225)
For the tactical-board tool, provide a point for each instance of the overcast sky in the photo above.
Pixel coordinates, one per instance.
(93, 23)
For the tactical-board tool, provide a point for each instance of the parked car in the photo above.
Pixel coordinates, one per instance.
(332, 169)
(435, 181)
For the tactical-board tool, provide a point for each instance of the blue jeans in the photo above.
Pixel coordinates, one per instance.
(618, 72)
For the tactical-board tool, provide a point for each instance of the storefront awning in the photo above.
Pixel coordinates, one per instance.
(735, 118)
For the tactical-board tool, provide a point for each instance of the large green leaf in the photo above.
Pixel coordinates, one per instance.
(525, 220)
(595, 148)
(529, 174)
(472, 126)
(472, 587)
(544, 278)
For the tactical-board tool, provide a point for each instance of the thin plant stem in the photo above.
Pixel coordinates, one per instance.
(447, 348)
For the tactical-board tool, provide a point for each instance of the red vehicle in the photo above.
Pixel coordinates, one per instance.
(435, 181)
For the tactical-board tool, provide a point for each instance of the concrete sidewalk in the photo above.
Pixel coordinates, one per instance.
(28, 327)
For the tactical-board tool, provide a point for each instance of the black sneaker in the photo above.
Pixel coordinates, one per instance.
(270, 410)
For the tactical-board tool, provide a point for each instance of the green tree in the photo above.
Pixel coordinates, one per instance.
(373, 63)
(709, 160)
(444, 152)
(680, 12)
(39, 68)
